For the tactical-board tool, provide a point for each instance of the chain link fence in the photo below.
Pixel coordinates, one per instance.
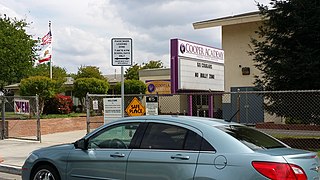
(292, 116)
(20, 117)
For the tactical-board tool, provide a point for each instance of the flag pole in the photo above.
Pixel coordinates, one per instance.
(51, 51)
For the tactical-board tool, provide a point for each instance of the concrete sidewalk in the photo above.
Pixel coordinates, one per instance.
(14, 152)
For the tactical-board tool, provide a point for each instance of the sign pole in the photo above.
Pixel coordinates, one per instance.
(121, 55)
(122, 92)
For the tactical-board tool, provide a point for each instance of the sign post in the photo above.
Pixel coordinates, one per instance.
(121, 49)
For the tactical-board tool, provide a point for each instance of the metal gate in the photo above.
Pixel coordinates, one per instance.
(20, 117)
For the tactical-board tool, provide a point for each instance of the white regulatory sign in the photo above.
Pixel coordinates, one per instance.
(121, 49)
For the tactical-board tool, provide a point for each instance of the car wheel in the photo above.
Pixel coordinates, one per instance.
(45, 172)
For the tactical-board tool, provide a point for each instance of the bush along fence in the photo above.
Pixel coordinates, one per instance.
(18, 109)
(291, 116)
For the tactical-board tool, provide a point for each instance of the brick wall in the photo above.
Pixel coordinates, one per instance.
(25, 128)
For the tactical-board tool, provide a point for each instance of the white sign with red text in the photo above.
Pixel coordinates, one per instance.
(21, 106)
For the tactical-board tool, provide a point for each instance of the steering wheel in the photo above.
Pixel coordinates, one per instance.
(117, 143)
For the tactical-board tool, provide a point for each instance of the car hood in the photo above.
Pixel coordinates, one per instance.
(307, 160)
(55, 148)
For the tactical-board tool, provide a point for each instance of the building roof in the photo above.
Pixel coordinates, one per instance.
(113, 78)
(13, 86)
(229, 20)
(154, 72)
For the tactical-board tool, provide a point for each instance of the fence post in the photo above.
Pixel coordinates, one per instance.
(88, 112)
(3, 110)
(238, 106)
(38, 118)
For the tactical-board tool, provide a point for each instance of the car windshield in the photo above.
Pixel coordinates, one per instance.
(252, 138)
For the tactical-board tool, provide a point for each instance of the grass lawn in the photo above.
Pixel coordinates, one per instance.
(281, 136)
(12, 115)
(51, 116)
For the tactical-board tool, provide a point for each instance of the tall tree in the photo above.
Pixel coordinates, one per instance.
(59, 74)
(131, 86)
(82, 86)
(133, 71)
(288, 56)
(288, 52)
(152, 65)
(89, 72)
(39, 85)
(17, 51)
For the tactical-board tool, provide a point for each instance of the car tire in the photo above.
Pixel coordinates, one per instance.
(45, 172)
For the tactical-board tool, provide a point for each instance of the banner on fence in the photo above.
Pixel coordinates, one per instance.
(21, 106)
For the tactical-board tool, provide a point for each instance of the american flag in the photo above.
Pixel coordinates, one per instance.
(46, 39)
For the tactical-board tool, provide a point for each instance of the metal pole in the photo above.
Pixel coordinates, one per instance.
(238, 106)
(38, 119)
(88, 112)
(158, 107)
(3, 117)
(122, 92)
(51, 51)
(190, 105)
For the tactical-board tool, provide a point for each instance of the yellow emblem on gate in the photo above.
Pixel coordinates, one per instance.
(135, 108)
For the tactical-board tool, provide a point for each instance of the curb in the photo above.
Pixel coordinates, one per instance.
(10, 169)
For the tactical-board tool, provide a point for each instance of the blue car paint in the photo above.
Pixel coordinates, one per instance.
(230, 160)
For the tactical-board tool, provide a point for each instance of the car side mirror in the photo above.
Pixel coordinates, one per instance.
(81, 144)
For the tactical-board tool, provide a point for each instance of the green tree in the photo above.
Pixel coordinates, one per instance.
(131, 86)
(287, 54)
(59, 74)
(89, 72)
(42, 86)
(152, 65)
(82, 86)
(133, 71)
(17, 52)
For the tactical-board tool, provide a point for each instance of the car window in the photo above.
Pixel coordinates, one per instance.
(252, 138)
(165, 136)
(206, 146)
(118, 136)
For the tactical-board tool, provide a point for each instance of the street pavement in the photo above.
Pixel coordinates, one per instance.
(14, 152)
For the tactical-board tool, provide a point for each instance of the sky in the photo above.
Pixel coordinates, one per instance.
(82, 29)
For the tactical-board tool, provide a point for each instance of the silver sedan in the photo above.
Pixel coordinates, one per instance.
(173, 148)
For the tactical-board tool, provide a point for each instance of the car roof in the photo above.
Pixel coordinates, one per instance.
(205, 125)
(191, 120)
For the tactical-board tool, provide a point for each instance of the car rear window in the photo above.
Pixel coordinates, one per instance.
(252, 138)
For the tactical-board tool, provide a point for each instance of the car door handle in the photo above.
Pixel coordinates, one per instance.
(115, 155)
(179, 156)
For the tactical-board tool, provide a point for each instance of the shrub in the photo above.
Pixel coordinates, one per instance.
(59, 104)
